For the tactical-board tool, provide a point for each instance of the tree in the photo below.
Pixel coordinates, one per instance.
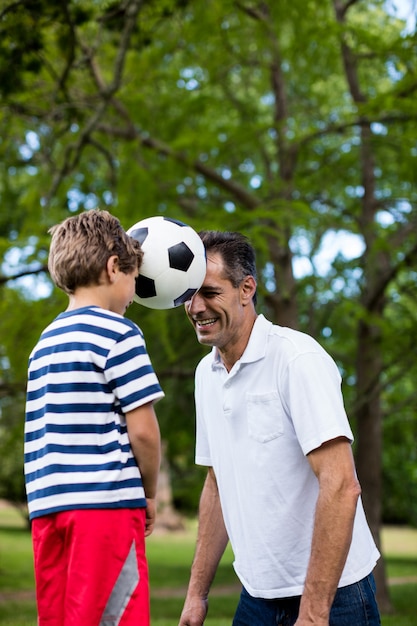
(288, 121)
(379, 268)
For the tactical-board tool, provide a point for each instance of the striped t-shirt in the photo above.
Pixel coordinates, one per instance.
(89, 368)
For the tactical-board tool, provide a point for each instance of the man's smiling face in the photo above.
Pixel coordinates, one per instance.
(216, 310)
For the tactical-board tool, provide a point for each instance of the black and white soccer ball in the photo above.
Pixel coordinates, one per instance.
(174, 262)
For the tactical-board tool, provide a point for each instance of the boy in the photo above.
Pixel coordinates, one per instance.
(92, 441)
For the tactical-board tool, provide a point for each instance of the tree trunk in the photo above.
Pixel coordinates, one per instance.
(167, 517)
(369, 359)
(369, 444)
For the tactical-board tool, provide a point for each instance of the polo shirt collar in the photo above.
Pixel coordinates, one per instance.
(257, 344)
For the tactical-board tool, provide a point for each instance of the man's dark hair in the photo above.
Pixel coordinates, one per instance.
(236, 251)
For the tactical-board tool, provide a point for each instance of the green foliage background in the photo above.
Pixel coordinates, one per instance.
(288, 121)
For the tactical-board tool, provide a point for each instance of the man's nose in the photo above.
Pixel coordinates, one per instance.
(195, 304)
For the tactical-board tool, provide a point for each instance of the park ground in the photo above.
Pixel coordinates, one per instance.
(170, 555)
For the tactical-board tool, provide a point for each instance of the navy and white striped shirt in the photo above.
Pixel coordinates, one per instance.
(89, 368)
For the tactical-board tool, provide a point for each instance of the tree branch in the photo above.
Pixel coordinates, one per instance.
(286, 155)
(26, 272)
(240, 193)
(342, 7)
(74, 151)
(388, 273)
(10, 390)
(11, 7)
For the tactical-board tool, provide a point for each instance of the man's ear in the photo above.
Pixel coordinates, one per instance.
(248, 288)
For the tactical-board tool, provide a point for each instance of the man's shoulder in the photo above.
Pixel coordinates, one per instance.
(289, 341)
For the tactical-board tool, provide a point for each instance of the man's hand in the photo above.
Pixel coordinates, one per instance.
(194, 612)
(211, 543)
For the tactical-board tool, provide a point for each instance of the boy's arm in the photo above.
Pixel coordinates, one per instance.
(145, 439)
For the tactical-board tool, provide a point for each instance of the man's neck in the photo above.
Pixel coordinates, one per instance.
(231, 353)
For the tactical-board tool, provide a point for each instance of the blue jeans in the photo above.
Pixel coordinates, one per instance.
(354, 605)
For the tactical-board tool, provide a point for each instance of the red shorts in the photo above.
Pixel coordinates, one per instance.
(91, 568)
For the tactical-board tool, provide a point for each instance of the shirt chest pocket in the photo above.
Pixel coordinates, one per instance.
(264, 416)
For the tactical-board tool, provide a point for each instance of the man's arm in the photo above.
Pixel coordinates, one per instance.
(145, 439)
(211, 543)
(339, 491)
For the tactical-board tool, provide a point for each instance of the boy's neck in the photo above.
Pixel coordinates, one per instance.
(87, 296)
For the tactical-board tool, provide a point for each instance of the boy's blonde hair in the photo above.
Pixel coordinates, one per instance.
(81, 246)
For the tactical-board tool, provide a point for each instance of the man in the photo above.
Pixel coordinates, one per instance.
(281, 482)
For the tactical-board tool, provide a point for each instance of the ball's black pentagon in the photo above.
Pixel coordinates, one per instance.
(171, 219)
(140, 234)
(187, 295)
(180, 257)
(145, 287)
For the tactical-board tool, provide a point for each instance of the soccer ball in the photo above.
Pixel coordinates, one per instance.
(174, 262)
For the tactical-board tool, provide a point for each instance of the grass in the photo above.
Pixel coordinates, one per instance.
(170, 558)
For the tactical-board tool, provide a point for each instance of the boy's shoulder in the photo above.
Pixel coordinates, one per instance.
(92, 319)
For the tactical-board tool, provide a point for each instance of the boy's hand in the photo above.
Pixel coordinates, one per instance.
(150, 516)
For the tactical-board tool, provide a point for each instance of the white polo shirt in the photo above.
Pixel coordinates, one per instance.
(255, 426)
